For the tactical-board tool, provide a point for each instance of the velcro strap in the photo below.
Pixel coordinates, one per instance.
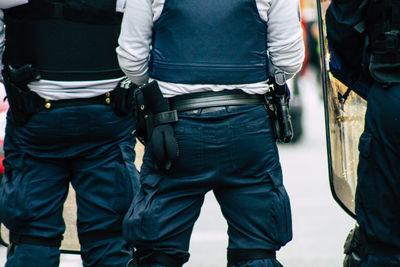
(237, 255)
(383, 250)
(95, 236)
(214, 99)
(35, 240)
(164, 260)
(165, 117)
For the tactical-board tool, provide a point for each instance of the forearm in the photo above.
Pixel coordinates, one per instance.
(135, 39)
(285, 37)
(11, 3)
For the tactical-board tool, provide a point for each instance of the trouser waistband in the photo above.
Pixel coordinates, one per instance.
(38, 103)
(214, 99)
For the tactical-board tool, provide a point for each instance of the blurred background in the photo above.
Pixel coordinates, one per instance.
(320, 226)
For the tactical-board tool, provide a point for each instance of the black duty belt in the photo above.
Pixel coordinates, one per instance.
(35, 103)
(214, 99)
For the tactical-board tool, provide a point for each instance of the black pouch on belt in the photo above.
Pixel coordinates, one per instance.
(124, 97)
(15, 83)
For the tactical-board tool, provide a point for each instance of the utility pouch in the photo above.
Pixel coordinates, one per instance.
(277, 99)
(15, 83)
(124, 97)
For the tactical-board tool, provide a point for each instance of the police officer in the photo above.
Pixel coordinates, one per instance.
(375, 241)
(378, 191)
(209, 63)
(66, 125)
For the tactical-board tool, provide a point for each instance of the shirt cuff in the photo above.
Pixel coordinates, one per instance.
(121, 6)
(4, 4)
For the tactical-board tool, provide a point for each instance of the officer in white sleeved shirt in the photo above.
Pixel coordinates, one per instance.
(69, 123)
(209, 64)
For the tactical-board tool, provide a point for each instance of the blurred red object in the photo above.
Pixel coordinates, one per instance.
(3, 115)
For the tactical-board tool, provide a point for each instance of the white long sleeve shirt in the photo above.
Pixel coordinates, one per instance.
(56, 90)
(285, 44)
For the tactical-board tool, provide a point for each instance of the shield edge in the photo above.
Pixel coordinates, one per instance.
(324, 77)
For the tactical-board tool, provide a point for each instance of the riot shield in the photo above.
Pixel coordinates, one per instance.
(344, 123)
(70, 243)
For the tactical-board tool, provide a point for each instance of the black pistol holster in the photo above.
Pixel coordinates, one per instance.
(154, 121)
(15, 83)
(277, 99)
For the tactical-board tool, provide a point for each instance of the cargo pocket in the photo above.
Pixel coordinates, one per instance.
(366, 183)
(124, 175)
(128, 154)
(14, 205)
(365, 163)
(281, 212)
(141, 223)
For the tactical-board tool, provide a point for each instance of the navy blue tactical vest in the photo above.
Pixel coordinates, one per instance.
(209, 42)
(66, 40)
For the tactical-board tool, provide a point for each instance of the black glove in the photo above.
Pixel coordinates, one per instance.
(163, 145)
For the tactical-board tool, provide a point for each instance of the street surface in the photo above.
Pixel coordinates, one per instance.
(319, 225)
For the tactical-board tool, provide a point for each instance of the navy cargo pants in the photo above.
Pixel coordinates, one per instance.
(231, 151)
(378, 190)
(86, 146)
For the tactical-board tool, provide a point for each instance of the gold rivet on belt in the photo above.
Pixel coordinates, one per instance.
(108, 94)
(47, 105)
(108, 100)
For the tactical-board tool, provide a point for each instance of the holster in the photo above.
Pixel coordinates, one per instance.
(143, 117)
(277, 99)
(15, 83)
(355, 248)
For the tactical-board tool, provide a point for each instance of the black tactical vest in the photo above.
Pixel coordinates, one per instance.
(383, 29)
(209, 42)
(66, 40)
